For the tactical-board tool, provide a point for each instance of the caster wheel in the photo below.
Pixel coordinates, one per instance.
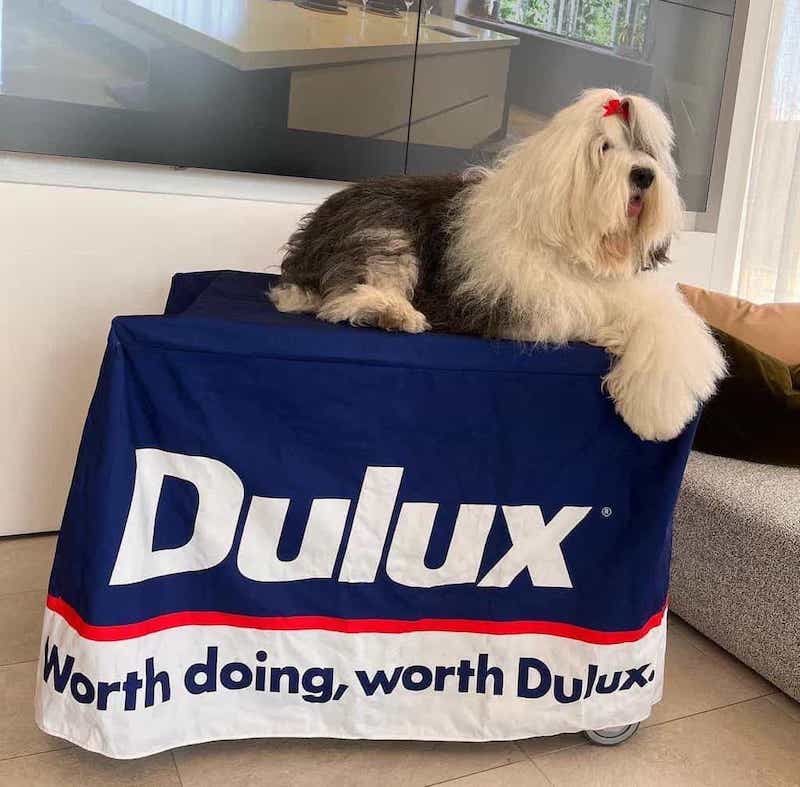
(611, 736)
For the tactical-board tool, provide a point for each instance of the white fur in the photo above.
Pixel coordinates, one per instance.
(367, 304)
(294, 299)
(548, 231)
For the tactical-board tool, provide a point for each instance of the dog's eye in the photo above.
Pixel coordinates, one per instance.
(606, 147)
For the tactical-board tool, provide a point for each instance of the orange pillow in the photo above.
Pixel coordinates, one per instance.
(772, 328)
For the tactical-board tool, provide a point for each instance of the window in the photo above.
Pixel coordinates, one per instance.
(347, 89)
(614, 24)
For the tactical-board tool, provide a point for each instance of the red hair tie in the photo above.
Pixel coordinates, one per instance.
(616, 107)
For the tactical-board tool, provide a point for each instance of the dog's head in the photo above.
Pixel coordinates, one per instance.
(599, 183)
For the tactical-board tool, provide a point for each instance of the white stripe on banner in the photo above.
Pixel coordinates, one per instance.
(191, 684)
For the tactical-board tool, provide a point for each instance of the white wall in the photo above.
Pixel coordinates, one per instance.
(692, 254)
(72, 258)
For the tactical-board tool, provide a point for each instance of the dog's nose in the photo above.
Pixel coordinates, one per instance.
(642, 177)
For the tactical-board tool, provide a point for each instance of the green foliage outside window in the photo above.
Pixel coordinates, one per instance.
(616, 24)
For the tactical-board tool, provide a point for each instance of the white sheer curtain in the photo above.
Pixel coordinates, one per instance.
(769, 265)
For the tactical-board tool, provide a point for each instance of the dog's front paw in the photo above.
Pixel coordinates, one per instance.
(658, 388)
(644, 404)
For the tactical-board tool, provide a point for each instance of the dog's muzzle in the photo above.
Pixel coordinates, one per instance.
(642, 177)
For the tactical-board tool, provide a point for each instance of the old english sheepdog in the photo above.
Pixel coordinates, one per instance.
(556, 243)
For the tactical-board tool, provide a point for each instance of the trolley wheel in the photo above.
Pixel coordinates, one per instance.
(611, 736)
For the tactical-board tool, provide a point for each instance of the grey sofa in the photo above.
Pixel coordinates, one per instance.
(736, 562)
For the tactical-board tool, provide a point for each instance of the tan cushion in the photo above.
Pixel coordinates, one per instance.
(773, 328)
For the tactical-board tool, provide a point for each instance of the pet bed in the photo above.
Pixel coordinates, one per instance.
(281, 527)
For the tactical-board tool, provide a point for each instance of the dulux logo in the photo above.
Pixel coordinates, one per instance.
(535, 544)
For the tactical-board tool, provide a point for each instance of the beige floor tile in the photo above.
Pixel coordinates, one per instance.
(25, 563)
(21, 626)
(674, 623)
(786, 704)
(752, 744)
(535, 747)
(679, 627)
(77, 767)
(697, 681)
(518, 774)
(18, 732)
(710, 648)
(728, 662)
(301, 763)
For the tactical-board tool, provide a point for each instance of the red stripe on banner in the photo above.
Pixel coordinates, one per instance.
(343, 625)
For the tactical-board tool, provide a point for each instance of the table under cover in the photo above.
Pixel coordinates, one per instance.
(281, 527)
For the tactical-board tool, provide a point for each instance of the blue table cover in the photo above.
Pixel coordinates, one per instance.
(279, 526)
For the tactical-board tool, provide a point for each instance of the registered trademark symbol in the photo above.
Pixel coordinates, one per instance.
(606, 511)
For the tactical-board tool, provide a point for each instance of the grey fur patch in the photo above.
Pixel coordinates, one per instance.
(393, 274)
(381, 235)
(391, 235)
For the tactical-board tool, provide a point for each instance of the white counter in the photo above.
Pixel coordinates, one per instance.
(258, 34)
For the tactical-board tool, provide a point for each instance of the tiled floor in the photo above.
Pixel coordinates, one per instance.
(719, 724)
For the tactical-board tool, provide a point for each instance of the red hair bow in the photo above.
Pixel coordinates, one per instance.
(616, 107)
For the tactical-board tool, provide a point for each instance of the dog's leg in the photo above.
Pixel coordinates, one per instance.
(366, 304)
(294, 299)
(384, 284)
(667, 363)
